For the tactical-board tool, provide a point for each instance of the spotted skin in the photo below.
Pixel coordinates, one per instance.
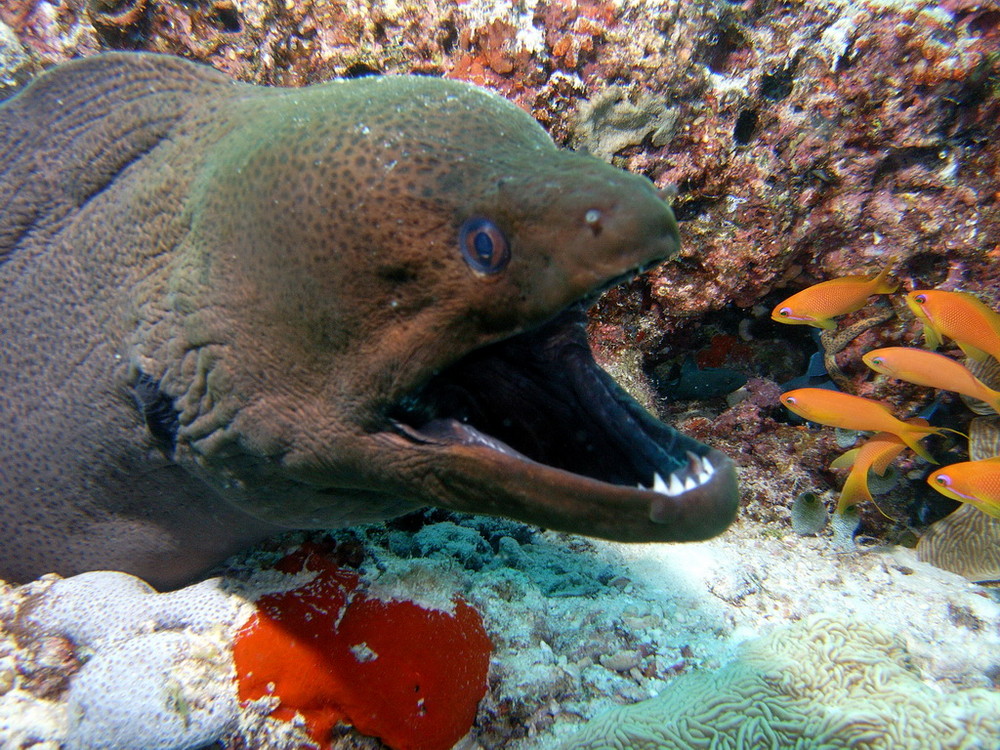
(212, 292)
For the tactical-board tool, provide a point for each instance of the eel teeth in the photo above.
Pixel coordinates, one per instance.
(698, 471)
(658, 484)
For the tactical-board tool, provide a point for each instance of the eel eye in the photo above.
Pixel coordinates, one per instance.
(943, 479)
(921, 299)
(484, 247)
(785, 312)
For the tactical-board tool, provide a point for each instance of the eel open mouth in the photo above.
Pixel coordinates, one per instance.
(540, 397)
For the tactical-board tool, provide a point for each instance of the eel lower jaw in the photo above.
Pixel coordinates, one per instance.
(480, 474)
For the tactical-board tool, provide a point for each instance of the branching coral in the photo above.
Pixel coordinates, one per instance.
(824, 682)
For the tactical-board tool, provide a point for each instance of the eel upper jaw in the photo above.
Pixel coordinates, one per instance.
(532, 428)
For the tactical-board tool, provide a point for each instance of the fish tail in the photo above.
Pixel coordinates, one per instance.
(919, 425)
(911, 437)
(977, 355)
(881, 284)
(953, 432)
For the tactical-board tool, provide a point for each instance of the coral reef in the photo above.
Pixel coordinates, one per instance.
(16, 66)
(136, 670)
(830, 681)
(966, 542)
(577, 626)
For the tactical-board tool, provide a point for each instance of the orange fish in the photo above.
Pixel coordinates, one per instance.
(929, 369)
(974, 482)
(818, 304)
(961, 317)
(838, 409)
(876, 454)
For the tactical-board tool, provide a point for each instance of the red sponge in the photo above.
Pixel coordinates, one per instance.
(410, 676)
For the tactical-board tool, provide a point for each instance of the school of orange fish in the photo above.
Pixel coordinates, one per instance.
(959, 316)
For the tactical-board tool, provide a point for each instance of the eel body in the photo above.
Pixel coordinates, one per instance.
(229, 310)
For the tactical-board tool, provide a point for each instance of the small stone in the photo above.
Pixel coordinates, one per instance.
(620, 661)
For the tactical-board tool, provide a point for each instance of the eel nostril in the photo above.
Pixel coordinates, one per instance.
(593, 219)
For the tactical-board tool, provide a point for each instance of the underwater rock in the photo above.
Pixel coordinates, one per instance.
(838, 682)
(16, 67)
(120, 23)
(618, 117)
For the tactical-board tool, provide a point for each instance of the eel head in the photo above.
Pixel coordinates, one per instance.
(426, 256)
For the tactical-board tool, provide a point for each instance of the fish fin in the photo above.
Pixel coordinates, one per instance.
(972, 352)
(879, 509)
(880, 285)
(932, 339)
(689, 367)
(827, 324)
(845, 461)
(855, 490)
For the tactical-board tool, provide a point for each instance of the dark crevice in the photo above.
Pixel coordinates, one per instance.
(692, 209)
(227, 16)
(724, 49)
(746, 127)
(928, 157)
(778, 84)
(361, 70)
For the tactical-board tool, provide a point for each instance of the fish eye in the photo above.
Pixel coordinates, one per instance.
(785, 312)
(943, 479)
(790, 399)
(921, 299)
(484, 246)
(877, 361)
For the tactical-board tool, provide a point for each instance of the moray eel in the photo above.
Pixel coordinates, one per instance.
(230, 310)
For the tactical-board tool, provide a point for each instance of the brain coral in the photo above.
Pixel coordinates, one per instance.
(824, 682)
